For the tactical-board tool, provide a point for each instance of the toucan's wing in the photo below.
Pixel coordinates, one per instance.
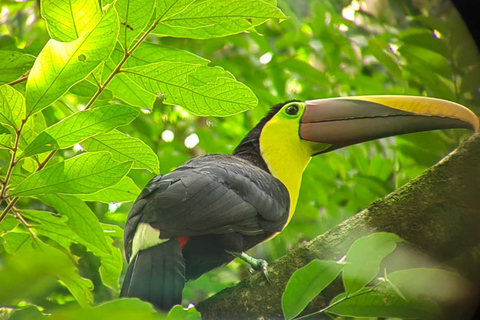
(213, 194)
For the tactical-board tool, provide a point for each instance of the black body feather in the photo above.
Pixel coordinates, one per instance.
(221, 202)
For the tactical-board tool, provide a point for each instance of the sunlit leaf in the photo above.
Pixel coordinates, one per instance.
(127, 90)
(364, 257)
(81, 125)
(124, 191)
(148, 53)
(69, 19)
(12, 107)
(14, 64)
(134, 17)
(217, 18)
(62, 64)
(86, 173)
(306, 283)
(6, 141)
(167, 8)
(223, 97)
(124, 148)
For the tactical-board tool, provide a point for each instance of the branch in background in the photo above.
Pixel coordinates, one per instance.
(438, 214)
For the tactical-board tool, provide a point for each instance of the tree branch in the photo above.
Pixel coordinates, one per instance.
(438, 214)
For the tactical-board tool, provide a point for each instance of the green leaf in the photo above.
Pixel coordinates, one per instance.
(217, 18)
(87, 88)
(84, 223)
(69, 19)
(124, 191)
(124, 148)
(81, 125)
(86, 173)
(13, 65)
(134, 17)
(384, 303)
(178, 312)
(379, 48)
(45, 260)
(429, 60)
(119, 309)
(148, 53)
(224, 97)
(127, 90)
(364, 258)
(62, 64)
(167, 8)
(306, 283)
(8, 223)
(424, 38)
(34, 126)
(81, 220)
(6, 141)
(12, 107)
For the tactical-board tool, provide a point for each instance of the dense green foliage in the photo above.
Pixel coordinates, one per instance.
(96, 99)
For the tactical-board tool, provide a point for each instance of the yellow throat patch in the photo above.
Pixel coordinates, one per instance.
(285, 154)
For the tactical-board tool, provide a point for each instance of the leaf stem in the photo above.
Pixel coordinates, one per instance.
(12, 161)
(9, 206)
(15, 199)
(117, 69)
(21, 79)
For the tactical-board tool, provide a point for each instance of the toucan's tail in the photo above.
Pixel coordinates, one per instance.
(157, 275)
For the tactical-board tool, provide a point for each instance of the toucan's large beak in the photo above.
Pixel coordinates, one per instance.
(341, 122)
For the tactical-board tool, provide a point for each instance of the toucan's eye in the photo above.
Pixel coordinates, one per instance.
(292, 109)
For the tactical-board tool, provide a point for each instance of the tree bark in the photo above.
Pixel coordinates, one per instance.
(438, 214)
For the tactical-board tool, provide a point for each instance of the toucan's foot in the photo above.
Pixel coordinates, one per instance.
(255, 264)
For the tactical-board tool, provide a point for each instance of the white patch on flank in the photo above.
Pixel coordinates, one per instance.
(145, 237)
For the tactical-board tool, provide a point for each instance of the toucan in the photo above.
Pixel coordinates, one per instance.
(215, 207)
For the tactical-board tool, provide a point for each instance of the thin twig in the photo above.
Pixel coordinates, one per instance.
(12, 161)
(120, 64)
(19, 80)
(9, 206)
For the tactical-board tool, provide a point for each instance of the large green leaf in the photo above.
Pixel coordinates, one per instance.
(124, 191)
(31, 255)
(86, 173)
(224, 97)
(217, 18)
(84, 223)
(148, 53)
(364, 257)
(127, 90)
(69, 19)
(81, 125)
(167, 8)
(62, 64)
(12, 107)
(134, 17)
(306, 283)
(124, 148)
(14, 64)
